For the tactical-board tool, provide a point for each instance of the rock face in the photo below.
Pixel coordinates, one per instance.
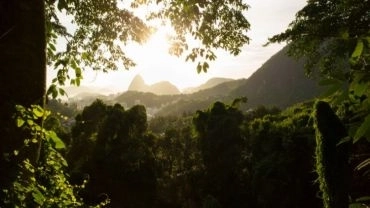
(160, 88)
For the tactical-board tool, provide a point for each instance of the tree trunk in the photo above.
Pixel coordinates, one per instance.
(23, 75)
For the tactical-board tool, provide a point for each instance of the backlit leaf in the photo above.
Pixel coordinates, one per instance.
(20, 122)
(363, 129)
(38, 111)
(38, 197)
(358, 51)
(58, 143)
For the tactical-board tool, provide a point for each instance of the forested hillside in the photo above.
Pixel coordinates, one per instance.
(220, 156)
(281, 82)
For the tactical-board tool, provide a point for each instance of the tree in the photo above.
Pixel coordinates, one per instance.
(279, 158)
(221, 143)
(23, 65)
(332, 157)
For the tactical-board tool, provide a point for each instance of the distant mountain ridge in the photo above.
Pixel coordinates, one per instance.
(209, 84)
(160, 88)
(279, 82)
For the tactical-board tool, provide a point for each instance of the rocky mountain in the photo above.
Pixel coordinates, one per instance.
(160, 88)
(138, 84)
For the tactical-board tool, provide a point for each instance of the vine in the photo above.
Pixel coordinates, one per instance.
(42, 183)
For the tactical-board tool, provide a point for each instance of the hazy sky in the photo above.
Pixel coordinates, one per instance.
(267, 17)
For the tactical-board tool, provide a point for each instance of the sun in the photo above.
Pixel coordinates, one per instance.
(155, 63)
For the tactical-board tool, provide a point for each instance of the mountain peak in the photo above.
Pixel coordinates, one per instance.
(159, 88)
(137, 84)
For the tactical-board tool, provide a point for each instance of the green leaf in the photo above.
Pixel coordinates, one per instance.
(62, 4)
(356, 205)
(333, 89)
(58, 143)
(38, 111)
(52, 47)
(205, 66)
(199, 68)
(30, 122)
(38, 197)
(78, 81)
(364, 198)
(363, 164)
(52, 91)
(85, 56)
(358, 51)
(344, 140)
(20, 122)
(62, 91)
(363, 129)
(360, 88)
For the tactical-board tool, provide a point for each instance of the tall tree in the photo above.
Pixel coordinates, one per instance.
(332, 157)
(221, 144)
(23, 74)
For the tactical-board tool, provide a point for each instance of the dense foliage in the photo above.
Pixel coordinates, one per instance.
(194, 160)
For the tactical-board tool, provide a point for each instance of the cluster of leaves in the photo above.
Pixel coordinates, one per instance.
(41, 181)
(98, 30)
(93, 38)
(216, 24)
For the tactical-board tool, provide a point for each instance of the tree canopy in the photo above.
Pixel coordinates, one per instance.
(103, 28)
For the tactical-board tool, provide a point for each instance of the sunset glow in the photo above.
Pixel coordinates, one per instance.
(154, 64)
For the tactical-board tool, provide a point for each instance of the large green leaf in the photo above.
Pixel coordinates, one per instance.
(20, 122)
(363, 129)
(38, 197)
(38, 111)
(58, 143)
(357, 51)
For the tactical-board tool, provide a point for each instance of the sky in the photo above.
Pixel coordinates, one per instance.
(154, 64)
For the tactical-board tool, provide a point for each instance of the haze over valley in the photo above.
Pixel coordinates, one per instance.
(279, 82)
